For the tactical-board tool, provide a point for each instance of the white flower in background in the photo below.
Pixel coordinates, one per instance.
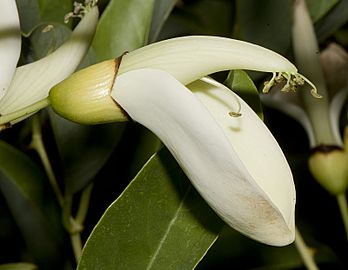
(23, 86)
(320, 118)
(222, 145)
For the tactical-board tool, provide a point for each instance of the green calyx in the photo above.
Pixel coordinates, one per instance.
(328, 165)
(85, 98)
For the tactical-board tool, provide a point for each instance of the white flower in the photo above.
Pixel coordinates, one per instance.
(320, 118)
(28, 84)
(234, 162)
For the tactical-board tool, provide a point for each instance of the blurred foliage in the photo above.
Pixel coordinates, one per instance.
(111, 155)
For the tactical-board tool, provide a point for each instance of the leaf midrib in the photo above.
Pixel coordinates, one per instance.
(165, 235)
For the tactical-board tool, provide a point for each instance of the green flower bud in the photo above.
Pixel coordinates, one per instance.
(329, 166)
(85, 98)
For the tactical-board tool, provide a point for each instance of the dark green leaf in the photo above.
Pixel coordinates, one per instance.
(124, 26)
(318, 8)
(46, 38)
(240, 83)
(332, 21)
(83, 149)
(30, 201)
(203, 17)
(158, 222)
(29, 14)
(266, 23)
(55, 10)
(34, 12)
(161, 12)
(18, 266)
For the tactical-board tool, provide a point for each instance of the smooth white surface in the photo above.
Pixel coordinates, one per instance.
(10, 43)
(193, 57)
(227, 171)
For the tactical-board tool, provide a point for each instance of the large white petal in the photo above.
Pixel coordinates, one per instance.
(32, 82)
(244, 178)
(10, 43)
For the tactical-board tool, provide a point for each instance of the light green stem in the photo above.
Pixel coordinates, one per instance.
(84, 204)
(342, 203)
(8, 118)
(75, 225)
(74, 228)
(75, 239)
(305, 253)
(38, 145)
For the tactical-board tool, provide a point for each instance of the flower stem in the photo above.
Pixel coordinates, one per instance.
(74, 225)
(8, 118)
(342, 203)
(305, 252)
(75, 239)
(84, 204)
(38, 145)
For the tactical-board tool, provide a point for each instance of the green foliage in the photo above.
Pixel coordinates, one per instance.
(155, 220)
(267, 23)
(124, 26)
(46, 38)
(80, 164)
(318, 9)
(24, 187)
(35, 12)
(333, 20)
(161, 12)
(158, 222)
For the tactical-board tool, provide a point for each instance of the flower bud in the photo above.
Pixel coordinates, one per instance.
(85, 98)
(334, 60)
(329, 166)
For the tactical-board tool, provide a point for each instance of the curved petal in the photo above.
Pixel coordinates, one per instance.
(232, 173)
(32, 82)
(10, 43)
(193, 57)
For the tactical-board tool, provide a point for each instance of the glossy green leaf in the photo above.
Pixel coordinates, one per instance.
(203, 17)
(25, 190)
(161, 12)
(240, 83)
(335, 18)
(55, 10)
(18, 266)
(29, 14)
(318, 8)
(158, 222)
(266, 23)
(46, 38)
(83, 149)
(34, 12)
(123, 26)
